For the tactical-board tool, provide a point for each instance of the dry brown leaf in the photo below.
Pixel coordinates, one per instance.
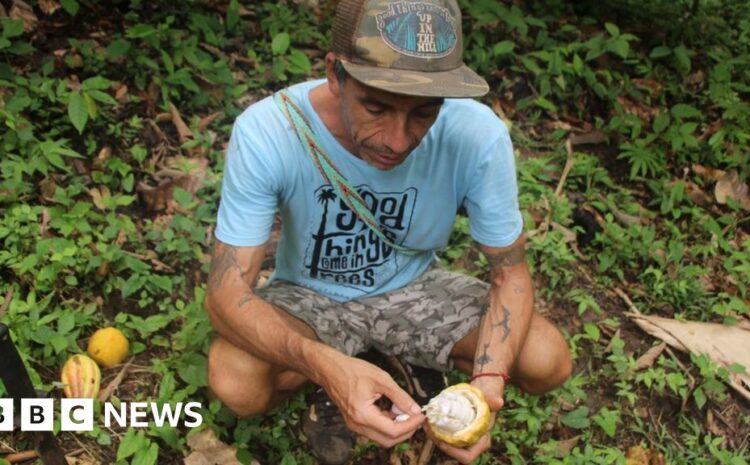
(48, 6)
(121, 93)
(596, 136)
(195, 168)
(568, 234)
(97, 197)
(707, 173)
(206, 120)
(647, 360)
(6, 301)
(189, 176)
(115, 383)
(712, 426)
(3, 13)
(81, 461)
(650, 85)
(638, 109)
(23, 11)
(497, 107)
(637, 455)
(44, 224)
(724, 345)
(563, 448)
(207, 449)
(183, 130)
(731, 187)
(697, 79)
(697, 195)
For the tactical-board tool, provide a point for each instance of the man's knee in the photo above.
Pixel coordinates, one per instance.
(242, 382)
(552, 363)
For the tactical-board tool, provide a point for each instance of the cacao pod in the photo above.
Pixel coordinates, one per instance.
(459, 415)
(81, 377)
(108, 346)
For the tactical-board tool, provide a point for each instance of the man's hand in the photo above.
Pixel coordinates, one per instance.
(356, 386)
(493, 393)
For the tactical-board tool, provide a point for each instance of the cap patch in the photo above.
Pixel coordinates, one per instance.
(418, 29)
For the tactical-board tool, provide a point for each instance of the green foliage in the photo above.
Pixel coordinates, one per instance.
(89, 131)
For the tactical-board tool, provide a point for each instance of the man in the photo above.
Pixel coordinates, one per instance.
(367, 169)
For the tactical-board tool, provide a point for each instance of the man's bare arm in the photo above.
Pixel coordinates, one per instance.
(248, 322)
(255, 326)
(505, 324)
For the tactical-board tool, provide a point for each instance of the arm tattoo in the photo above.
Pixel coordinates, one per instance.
(223, 263)
(483, 359)
(505, 324)
(510, 257)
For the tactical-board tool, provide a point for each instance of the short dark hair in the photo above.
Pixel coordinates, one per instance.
(339, 71)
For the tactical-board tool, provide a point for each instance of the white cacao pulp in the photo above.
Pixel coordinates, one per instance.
(459, 415)
(450, 411)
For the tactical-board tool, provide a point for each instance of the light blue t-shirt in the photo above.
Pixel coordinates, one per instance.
(465, 158)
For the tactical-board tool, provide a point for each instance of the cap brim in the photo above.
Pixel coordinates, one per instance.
(461, 82)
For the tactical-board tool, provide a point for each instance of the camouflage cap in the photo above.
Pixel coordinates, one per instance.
(411, 47)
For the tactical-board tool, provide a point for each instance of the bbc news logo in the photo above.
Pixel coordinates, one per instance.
(78, 414)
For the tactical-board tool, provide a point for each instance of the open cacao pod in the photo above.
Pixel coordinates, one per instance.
(459, 415)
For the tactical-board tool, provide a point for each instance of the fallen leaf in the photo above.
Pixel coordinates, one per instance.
(596, 136)
(115, 383)
(44, 224)
(563, 448)
(97, 198)
(696, 80)
(207, 449)
(697, 195)
(707, 173)
(121, 93)
(647, 360)
(81, 461)
(638, 109)
(731, 187)
(206, 120)
(497, 107)
(712, 426)
(23, 11)
(3, 13)
(48, 6)
(637, 455)
(724, 345)
(649, 85)
(189, 176)
(183, 131)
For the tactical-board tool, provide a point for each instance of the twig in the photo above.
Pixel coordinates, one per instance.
(115, 383)
(6, 302)
(426, 454)
(626, 299)
(21, 456)
(569, 161)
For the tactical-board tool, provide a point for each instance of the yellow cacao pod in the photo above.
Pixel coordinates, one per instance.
(81, 377)
(459, 415)
(108, 346)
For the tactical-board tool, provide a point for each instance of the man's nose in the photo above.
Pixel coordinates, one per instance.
(398, 138)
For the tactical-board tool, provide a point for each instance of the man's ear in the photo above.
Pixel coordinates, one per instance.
(333, 81)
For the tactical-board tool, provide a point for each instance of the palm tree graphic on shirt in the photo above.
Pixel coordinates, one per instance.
(326, 195)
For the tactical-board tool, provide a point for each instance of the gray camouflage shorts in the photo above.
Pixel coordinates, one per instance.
(420, 323)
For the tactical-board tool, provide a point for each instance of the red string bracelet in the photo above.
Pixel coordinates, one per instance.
(504, 376)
